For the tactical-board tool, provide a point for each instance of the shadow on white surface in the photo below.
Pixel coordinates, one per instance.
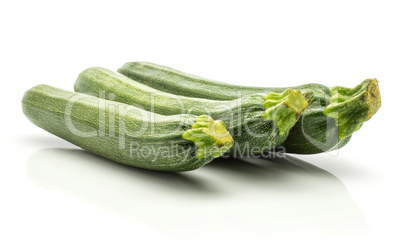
(228, 198)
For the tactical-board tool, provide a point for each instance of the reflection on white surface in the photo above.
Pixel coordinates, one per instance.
(242, 198)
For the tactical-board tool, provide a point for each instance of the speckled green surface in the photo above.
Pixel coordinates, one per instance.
(118, 131)
(243, 117)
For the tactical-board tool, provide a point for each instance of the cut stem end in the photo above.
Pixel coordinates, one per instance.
(211, 137)
(285, 109)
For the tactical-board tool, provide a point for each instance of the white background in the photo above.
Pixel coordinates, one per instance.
(53, 193)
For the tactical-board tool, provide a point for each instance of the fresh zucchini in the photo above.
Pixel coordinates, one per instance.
(319, 128)
(127, 134)
(257, 122)
(176, 82)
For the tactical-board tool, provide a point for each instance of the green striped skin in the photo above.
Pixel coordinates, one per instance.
(244, 117)
(315, 132)
(118, 131)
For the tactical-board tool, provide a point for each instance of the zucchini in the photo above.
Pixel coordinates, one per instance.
(127, 134)
(257, 122)
(176, 82)
(319, 128)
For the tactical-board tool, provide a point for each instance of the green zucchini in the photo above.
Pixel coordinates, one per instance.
(257, 122)
(127, 134)
(319, 128)
(176, 82)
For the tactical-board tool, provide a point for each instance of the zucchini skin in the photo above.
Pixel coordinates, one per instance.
(313, 133)
(243, 117)
(50, 108)
(176, 82)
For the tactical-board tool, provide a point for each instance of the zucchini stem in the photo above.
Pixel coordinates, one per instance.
(351, 107)
(211, 137)
(285, 109)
